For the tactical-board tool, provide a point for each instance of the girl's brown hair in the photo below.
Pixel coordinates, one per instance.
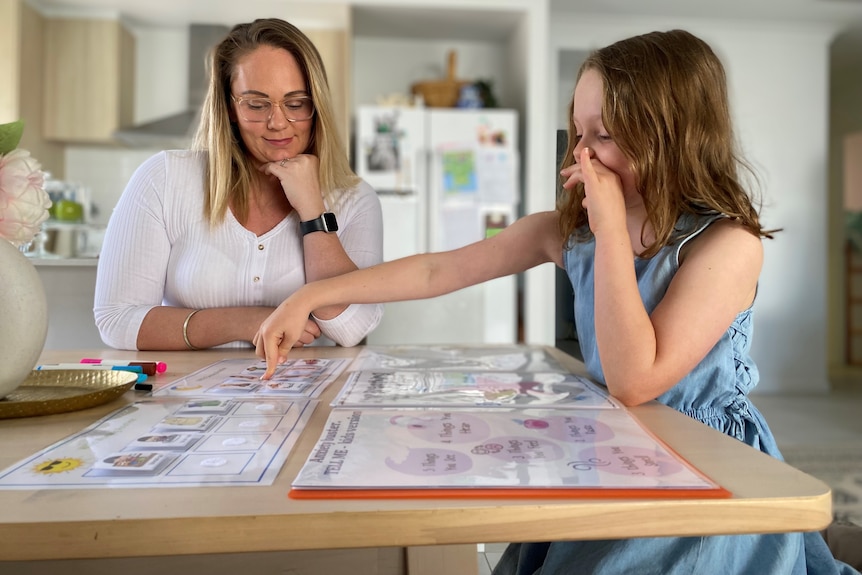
(666, 107)
(230, 170)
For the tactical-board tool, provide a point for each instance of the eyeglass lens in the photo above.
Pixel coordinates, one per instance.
(261, 109)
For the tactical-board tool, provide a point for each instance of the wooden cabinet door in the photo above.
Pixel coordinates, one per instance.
(89, 79)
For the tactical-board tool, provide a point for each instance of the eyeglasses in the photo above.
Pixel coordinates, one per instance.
(257, 109)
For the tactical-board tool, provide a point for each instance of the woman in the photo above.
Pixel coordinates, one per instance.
(203, 244)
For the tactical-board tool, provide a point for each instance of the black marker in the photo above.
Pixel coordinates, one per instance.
(143, 387)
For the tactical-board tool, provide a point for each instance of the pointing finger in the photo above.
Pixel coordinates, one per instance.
(273, 354)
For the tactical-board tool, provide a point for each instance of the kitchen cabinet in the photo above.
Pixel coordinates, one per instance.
(89, 79)
(69, 286)
(10, 64)
(22, 31)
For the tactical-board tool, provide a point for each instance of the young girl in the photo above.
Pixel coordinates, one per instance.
(663, 248)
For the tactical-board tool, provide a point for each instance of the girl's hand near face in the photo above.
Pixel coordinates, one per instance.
(604, 200)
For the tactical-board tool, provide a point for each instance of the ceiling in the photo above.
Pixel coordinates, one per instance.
(827, 11)
(184, 12)
(369, 20)
(423, 22)
(380, 19)
(430, 23)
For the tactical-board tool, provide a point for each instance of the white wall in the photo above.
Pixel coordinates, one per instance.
(539, 165)
(161, 71)
(385, 66)
(778, 80)
(105, 171)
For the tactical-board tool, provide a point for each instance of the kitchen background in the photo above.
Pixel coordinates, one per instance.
(795, 75)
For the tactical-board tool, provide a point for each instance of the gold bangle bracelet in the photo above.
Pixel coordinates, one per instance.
(186, 331)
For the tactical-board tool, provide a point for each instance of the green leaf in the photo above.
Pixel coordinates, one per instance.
(10, 135)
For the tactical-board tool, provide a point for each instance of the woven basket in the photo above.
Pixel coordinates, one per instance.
(441, 93)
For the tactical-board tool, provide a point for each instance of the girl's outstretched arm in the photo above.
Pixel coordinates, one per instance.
(528, 242)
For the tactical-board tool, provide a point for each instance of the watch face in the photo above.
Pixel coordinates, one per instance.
(330, 222)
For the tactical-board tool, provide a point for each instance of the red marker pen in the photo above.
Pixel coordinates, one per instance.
(148, 367)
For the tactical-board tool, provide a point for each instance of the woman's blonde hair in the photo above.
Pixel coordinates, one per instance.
(230, 170)
(666, 108)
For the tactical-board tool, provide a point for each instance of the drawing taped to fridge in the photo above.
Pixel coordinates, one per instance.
(445, 178)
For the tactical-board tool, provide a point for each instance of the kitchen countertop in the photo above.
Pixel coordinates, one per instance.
(77, 262)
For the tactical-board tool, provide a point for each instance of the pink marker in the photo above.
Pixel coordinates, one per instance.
(149, 367)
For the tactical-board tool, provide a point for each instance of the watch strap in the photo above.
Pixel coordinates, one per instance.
(326, 222)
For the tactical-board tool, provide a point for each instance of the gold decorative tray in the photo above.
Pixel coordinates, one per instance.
(62, 390)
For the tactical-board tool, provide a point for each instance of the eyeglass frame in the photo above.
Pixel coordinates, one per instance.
(273, 104)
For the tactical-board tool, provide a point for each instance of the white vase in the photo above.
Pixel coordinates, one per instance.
(23, 317)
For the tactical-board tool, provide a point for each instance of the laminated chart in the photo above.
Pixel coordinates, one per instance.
(471, 389)
(514, 357)
(391, 453)
(171, 442)
(295, 378)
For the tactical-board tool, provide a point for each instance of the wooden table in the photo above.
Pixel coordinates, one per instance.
(185, 526)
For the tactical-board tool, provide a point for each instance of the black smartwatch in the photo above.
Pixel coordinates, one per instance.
(325, 223)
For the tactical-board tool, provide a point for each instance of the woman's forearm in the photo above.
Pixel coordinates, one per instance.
(162, 328)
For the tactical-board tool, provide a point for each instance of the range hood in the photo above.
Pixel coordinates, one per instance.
(176, 131)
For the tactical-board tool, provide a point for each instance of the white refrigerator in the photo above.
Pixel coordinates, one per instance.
(445, 178)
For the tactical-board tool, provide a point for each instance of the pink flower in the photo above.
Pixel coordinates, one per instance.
(23, 201)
